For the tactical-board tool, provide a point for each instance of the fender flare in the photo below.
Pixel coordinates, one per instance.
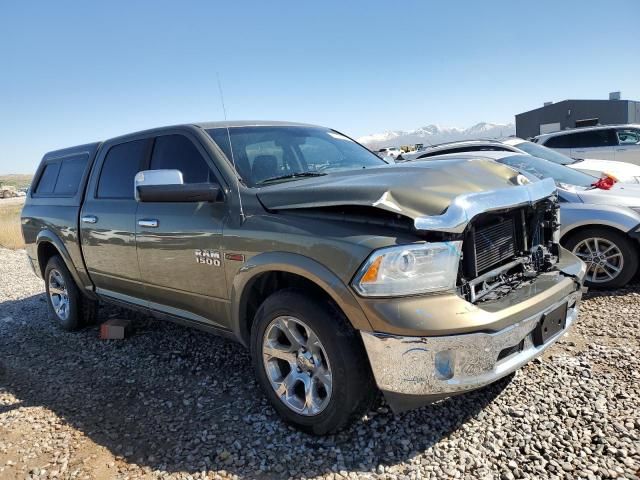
(47, 236)
(300, 265)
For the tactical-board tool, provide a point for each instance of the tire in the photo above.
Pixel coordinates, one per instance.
(624, 256)
(62, 290)
(351, 388)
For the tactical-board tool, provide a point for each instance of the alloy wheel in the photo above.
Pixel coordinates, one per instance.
(297, 366)
(58, 294)
(604, 259)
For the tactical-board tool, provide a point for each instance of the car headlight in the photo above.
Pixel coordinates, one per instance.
(409, 270)
(637, 179)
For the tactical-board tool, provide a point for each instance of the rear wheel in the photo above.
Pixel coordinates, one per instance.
(68, 308)
(310, 362)
(611, 257)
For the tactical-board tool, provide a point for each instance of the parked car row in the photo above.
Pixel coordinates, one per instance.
(388, 152)
(623, 172)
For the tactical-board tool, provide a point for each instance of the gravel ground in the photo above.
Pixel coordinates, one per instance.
(12, 201)
(171, 402)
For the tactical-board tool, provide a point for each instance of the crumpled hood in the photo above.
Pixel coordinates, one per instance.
(414, 190)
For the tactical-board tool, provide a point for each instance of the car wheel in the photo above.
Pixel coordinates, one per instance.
(310, 362)
(68, 308)
(611, 257)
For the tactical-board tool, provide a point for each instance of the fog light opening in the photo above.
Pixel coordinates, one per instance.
(444, 364)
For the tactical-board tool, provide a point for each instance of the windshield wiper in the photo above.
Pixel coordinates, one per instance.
(291, 175)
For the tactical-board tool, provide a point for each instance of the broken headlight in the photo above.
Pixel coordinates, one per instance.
(409, 270)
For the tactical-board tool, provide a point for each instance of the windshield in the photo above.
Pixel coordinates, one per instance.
(544, 152)
(541, 168)
(266, 154)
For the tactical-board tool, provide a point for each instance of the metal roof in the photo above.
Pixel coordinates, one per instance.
(250, 123)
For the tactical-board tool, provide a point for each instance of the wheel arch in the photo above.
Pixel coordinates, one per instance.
(49, 244)
(589, 226)
(267, 273)
(579, 216)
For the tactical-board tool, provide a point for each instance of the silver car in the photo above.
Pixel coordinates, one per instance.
(601, 226)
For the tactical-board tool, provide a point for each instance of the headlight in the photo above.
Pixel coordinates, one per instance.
(637, 179)
(409, 270)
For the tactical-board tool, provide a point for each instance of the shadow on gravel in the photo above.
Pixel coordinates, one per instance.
(176, 399)
(632, 287)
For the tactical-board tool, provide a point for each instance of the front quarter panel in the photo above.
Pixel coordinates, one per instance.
(299, 265)
(328, 253)
(576, 215)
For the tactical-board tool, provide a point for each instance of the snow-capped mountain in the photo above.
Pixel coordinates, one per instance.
(432, 134)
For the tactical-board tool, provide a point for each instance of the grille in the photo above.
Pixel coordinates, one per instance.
(493, 245)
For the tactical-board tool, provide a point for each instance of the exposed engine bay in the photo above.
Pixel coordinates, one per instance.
(503, 251)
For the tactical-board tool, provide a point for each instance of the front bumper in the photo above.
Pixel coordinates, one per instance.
(413, 371)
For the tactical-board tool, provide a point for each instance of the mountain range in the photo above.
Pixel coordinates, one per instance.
(432, 134)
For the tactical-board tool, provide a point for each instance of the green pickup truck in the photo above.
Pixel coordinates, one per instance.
(343, 275)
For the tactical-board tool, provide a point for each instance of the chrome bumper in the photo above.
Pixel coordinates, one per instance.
(438, 367)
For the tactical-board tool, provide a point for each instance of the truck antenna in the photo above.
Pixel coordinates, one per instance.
(233, 160)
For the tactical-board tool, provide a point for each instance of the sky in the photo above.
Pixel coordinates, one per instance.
(76, 72)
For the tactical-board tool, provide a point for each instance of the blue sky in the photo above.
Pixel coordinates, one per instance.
(74, 72)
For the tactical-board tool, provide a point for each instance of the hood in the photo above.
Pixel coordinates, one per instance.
(413, 190)
(621, 194)
(441, 195)
(624, 172)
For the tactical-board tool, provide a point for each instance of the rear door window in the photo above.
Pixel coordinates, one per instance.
(596, 138)
(48, 178)
(588, 139)
(71, 172)
(177, 152)
(119, 169)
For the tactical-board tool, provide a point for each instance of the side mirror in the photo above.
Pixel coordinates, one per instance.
(168, 186)
(156, 177)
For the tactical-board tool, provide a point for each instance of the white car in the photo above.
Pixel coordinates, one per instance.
(608, 142)
(392, 152)
(622, 172)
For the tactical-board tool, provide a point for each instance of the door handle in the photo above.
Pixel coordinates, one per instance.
(621, 149)
(89, 219)
(148, 222)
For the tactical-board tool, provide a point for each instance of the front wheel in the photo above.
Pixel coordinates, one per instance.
(310, 362)
(611, 257)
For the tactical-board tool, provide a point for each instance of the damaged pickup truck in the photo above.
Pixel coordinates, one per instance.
(343, 275)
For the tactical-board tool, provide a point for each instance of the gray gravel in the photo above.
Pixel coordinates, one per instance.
(170, 402)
